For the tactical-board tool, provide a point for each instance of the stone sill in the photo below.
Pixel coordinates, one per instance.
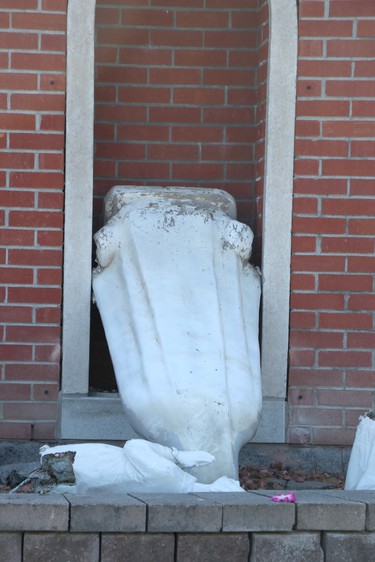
(322, 525)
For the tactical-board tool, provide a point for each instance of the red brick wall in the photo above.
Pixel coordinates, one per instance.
(32, 102)
(332, 376)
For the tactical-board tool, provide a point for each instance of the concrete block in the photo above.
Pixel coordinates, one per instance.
(107, 513)
(61, 547)
(366, 497)
(291, 547)
(11, 547)
(33, 512)
(347, 547)
(321, 511)
(217, 547)
(181, 513)
(143, 547)
(252, 512)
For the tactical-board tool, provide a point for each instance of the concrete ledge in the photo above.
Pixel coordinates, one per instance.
(321, 525)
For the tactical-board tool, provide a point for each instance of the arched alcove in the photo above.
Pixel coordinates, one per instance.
(100, 416)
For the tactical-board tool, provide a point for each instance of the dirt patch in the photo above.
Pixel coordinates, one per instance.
(276, 477)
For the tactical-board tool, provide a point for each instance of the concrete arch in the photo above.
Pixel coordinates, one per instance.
(87, 417)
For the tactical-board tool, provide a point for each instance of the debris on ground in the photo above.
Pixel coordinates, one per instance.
(277, 477)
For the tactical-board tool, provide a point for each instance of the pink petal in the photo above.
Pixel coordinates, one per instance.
(291, 498)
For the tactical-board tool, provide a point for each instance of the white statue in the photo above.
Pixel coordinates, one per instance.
(179, 303)
(139, 466)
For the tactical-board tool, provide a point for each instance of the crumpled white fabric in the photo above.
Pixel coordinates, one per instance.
(361, 468)
(139, 466)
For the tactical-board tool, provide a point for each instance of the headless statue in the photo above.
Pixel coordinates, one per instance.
(179, 302)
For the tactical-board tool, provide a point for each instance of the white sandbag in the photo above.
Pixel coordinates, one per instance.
(361, 468)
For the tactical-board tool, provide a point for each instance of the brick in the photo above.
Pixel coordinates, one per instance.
(349, 129)
(197, 171)
(320, 108)
(325, 28)
(302, 319)
(18, 81)
(222, 77)
(39, 21)
(37, 219)
(301, 357)
(180, 513)
(366, 28)
(242, 96)
(40, 180)
(345, 359)
(122, 36)
(14, 391)
(176, 38)
(42, 295)
(364, 68)
(345, 321)
(16, 276)
(292, 546)
(172, 3)
(317, 301)
(319, 225)
(320, 186)
(227, 152)
(144, 94)
(48, 200)
(202, 19)
(174, 115)
(303, 282)
(303, 244)
(76, 547)
(305, 206)
(121, 74)
(310, 147)
(306, 167)
(11, 546)
(18, 41)
(310, 47)
(350, 88)
(47, 315)
(45, 391)
(315, 377)
(244, 58)
(362, 226)
(10, 352)
(38, 102)
(35, 257)
(197, 134)
(226, 547)
(120, 151)
(25, 334)
(301, 396)
(14, 430)
(351, 48)
(32, 372)
(349, 546)
(36, 141)
(51, 161)
(17, 160)
(324, 68)
(320, 511)
(163, 76)
(362, 148)
(350, 283)
(316, 416)
(147, 18)
(105, 15)
(347, 244)
(307, 128)
(361, 264)
(361, 379)
(361, 302)
(53, 42)
(32, 512)
(311, 9)
(144, 56)
(173, 151)
(145, 170)
(117, 112)
(30, 411)
(309, 88)
(228, 115)
(308, 338)
(13, 199)
(145, 547)
(361, 340)
(109, 513)
(16, 314)
(38, 61)
(344, 9)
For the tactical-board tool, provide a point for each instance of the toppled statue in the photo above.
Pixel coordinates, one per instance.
(139, 466)
(361, 468)
(179, 302)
